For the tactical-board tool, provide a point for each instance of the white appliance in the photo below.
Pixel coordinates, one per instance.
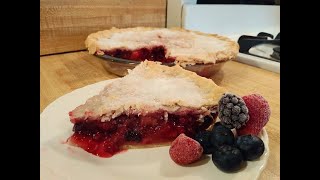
(231, 21)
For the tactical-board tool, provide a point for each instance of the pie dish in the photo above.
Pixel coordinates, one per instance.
(120, 66)
(131, 112)
(175, 45)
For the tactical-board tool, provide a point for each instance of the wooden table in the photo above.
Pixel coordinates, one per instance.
(60, 74)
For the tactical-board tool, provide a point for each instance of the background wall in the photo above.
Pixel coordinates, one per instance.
(65, 24)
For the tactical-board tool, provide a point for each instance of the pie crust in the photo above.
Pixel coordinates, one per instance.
(148, 88)
(184, 47)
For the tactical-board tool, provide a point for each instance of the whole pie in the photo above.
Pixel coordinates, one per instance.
(152, 105)
(179, 46)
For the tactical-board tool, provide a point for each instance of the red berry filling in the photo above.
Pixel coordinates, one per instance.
(156, 53)
(105, 139)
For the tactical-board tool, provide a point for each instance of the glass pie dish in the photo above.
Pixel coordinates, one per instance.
(120, 66)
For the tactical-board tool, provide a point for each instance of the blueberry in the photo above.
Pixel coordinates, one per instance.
(132, 135)
(207, 121)
(252, 147)
(221, 135)
(217, 125)
(203, 137)
(227, 158)
(208, 150)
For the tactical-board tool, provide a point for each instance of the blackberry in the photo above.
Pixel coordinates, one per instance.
(233, 111)
(252, 147)
(132, 135)
(227, 158)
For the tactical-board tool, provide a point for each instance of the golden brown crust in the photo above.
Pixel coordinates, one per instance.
(211, 91)
(176, 90)
(229, 53)
(233, 46)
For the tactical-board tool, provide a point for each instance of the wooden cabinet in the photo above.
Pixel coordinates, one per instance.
(64, 25)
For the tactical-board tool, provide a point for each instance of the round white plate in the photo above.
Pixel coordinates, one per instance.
(61, 161)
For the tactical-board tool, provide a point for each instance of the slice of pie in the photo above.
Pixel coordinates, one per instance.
(153, 104)
(180, 46)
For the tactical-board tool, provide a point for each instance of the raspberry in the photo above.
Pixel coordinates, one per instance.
(233, 111)
(185, 150)
(259, 112)
(135, 55)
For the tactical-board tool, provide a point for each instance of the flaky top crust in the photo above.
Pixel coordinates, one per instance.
(151, 87)
(186, 46)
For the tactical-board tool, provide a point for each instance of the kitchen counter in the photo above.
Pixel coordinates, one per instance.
(63, 73)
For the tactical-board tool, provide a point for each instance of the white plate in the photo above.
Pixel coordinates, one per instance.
(64, 162)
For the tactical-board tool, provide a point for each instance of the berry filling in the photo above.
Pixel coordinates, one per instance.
(105, 139)
(156, 53)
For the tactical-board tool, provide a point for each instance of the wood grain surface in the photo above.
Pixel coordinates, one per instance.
(60, 74)
(64, 25)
